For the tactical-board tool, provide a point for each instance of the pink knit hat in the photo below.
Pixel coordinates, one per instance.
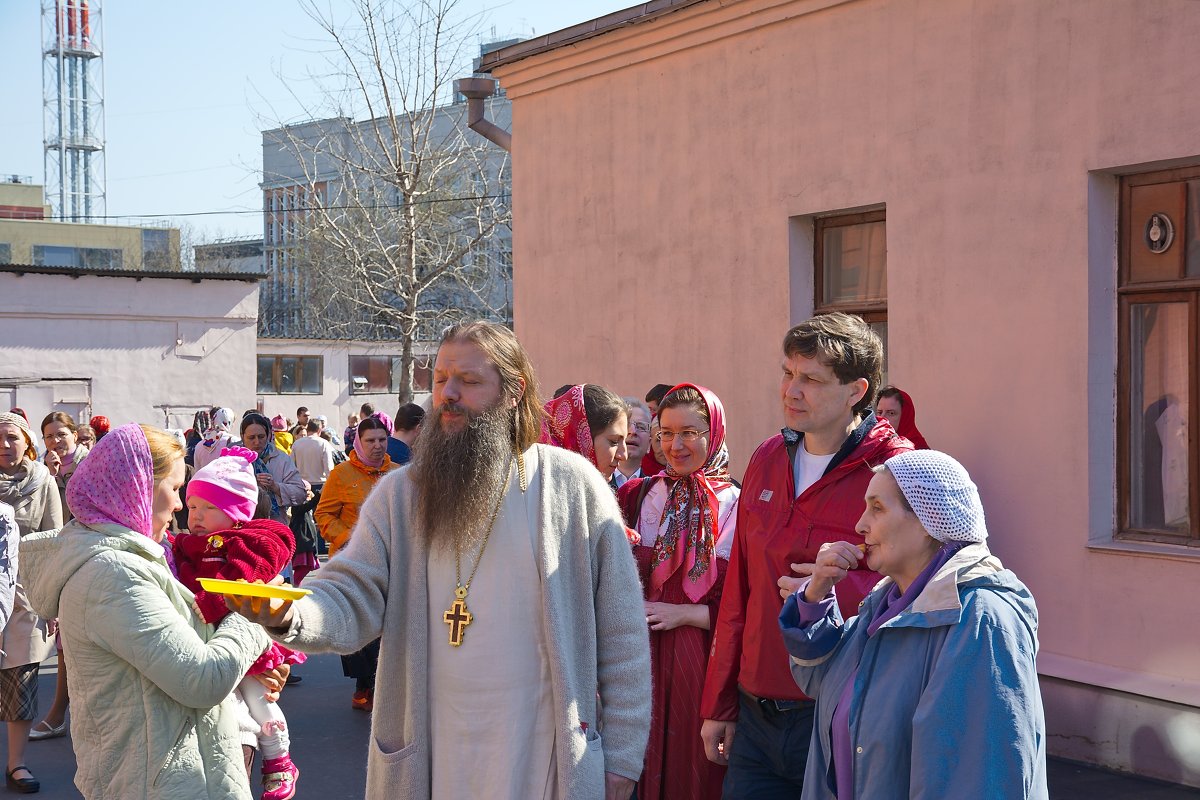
(228, 483)
(278, 423)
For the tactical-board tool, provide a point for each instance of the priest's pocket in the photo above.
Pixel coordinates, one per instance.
(393, 768)
(591, 764)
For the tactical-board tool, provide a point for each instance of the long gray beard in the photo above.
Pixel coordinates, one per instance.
(458, 476)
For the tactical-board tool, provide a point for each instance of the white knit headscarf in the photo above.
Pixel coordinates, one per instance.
(941, 495)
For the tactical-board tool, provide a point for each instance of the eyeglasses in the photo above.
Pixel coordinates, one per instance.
(640, 427)
(688, 437)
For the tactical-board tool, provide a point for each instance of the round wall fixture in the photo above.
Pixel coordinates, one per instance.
(1159, 233)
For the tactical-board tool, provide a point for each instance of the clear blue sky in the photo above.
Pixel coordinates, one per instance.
(188, 86)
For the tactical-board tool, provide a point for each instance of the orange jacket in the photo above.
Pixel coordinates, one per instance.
(344, 493)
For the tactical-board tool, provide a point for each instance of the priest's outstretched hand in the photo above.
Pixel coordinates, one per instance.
(268, 612)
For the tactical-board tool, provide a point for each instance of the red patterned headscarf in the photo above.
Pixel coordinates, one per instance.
(688, 536)
(567, 426)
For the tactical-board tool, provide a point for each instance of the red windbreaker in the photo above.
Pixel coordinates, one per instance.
(773, 531)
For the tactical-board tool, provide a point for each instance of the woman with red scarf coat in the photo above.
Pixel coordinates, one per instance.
(897, 407)
(686, 516)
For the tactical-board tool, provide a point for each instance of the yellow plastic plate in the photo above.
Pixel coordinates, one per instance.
(218, 586)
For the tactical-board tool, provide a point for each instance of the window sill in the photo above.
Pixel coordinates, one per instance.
(1126, 547)
(1142, 683)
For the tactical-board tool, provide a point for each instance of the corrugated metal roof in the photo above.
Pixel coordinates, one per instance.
(136, 274)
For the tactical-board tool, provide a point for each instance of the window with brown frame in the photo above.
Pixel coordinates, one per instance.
(850, 260)
(381, 374)
(290, 374)
(1158, 294)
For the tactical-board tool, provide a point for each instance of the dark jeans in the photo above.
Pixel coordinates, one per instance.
(362, 665)
(770, 749)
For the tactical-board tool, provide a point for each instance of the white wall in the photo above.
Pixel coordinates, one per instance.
(335, 401)
(151, 350)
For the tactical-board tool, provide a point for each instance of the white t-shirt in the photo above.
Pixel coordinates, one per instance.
(808, 468)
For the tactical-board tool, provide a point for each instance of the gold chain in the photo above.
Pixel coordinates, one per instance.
(460, 587)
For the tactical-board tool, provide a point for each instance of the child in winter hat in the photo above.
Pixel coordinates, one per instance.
(283, 439)
(225, 541)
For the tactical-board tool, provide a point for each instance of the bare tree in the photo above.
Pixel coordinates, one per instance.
(395, 225)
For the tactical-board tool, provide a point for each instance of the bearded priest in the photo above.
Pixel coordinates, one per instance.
(497, 574)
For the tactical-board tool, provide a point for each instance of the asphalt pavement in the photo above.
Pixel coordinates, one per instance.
(329, 744)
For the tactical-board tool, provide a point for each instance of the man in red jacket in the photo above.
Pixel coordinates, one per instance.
(803, 488)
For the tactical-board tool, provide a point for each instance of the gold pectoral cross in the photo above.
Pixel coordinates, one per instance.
(458, 617)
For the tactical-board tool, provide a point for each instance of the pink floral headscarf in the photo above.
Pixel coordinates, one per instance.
(115, 483)
(566, 424)
(690, 518)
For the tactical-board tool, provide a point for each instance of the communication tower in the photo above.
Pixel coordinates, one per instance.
(73, 97)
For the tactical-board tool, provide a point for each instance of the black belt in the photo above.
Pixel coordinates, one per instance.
(771, 706)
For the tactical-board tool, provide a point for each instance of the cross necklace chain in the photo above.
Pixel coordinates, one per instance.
(458, 617)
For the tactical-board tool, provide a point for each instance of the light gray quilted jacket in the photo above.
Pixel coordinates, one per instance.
(151, 714)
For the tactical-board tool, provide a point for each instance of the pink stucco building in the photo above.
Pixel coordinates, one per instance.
(1009, 188)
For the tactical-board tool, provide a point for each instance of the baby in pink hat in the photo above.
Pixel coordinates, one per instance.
(225, 541)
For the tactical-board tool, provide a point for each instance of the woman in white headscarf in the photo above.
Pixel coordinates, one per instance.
(932, 689)
(216, 438)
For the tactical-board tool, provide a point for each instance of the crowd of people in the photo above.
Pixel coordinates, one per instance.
(831, 625)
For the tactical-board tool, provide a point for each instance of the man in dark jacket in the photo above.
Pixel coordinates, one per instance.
(802, 488)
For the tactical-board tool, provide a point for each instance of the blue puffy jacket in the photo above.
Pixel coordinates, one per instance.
(946, 702)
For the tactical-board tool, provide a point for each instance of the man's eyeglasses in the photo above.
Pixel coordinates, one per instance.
(640, 427)
(688, 437)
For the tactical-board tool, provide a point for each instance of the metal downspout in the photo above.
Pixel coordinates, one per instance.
(476, 90)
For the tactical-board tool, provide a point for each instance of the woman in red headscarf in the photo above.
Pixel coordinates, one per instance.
(897, 407)
(686, 518)
(592, 421)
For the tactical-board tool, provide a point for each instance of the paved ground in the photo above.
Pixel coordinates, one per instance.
(329, 747)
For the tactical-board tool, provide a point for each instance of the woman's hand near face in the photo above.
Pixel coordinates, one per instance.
(834, 562)
(53, 462)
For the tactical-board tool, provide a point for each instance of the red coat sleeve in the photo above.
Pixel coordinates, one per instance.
(627, 497)
(720, 697)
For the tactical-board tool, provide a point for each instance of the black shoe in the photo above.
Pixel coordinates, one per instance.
(293, 679)
(22, 785)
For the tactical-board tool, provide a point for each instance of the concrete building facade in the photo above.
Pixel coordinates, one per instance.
(333, 377)
(149, 347)
(304, 166)
(27, 236)
(1009, 186)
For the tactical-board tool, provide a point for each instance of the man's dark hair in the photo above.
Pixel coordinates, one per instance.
(409, 416)
(366, 410)
(892, 391)
(659, 391)
(845, 344)
(301, 410)
(313, 426)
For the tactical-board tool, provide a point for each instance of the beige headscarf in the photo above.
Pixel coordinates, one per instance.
(20, 422)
